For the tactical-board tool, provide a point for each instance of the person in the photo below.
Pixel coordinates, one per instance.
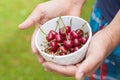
(102, 61)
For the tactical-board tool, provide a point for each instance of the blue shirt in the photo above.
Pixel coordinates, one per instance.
(109, 8)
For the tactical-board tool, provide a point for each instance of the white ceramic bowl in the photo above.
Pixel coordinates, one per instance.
(69, 59)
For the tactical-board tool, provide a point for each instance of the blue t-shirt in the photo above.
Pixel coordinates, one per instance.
(109, 8)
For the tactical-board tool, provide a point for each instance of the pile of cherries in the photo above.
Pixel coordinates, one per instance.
(65, 41)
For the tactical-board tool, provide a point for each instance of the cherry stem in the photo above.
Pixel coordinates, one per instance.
(83, 25)
(57, 24)
(43, 31)
(71, 22)
(85, 33)
(62, 20)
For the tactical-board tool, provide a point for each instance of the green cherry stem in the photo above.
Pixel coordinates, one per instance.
(62, 20)
(83, 25)
(71, 22)
(42, 31)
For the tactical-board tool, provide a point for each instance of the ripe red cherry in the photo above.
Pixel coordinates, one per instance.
(74, 33)
(79, 32)
(77, 48)
(68, 29)
(68, 43)
(70, 36)
(53, 32)
(53, 46)
(62, 32)
(58, 38)
(83, 40)
(76, 42)
(49, 37)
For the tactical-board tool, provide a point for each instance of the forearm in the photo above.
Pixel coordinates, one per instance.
(113, 31)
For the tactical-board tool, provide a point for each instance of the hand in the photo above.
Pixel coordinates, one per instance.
(45, 11)
(98, 50)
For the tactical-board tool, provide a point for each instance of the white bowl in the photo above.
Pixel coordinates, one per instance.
(69, 59)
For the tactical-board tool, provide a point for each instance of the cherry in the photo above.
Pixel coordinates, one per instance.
(79, 32)
(68, 43)
(83, 40)
(70, 36)
(53, 32)
(49, 37)
(58, 38)
(76, 42)
(75, 35)
(68, 29)
(62, 32)
(53, 46)
(77, 48)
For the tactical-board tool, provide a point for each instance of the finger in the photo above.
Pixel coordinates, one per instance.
(32, 19)
(34, 49)
(63, 70)
(87, 67)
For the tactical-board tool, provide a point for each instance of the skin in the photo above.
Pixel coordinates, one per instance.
(104, 41)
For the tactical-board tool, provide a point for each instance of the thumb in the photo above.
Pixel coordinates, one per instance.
(34, 17)
(86, 68)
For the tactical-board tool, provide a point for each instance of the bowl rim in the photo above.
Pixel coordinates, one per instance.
(57, 56)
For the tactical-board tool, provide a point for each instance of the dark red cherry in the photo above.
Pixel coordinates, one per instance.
(77, 48)
(49, 37)
(62, 32)
(53, 32)
(53, 46)
(83, 40)
(76, 42)
(74, 33)
(58, 38)
(79, 32)
(70, 36)
(68, 29)
(68, 43)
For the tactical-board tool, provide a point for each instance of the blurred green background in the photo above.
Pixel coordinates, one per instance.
(17, 61)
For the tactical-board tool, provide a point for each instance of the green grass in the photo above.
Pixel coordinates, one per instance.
(17, 61)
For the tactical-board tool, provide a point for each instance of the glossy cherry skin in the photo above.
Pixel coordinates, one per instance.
(76, 42)
(58, 38)
(62, 32)
(49, 37)
(53, 32)
(68, 29)
(77, 48)
(68, 43)
(83, 40)
(70, 36)
(79, 32)
(74, 33)
(53, 46)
